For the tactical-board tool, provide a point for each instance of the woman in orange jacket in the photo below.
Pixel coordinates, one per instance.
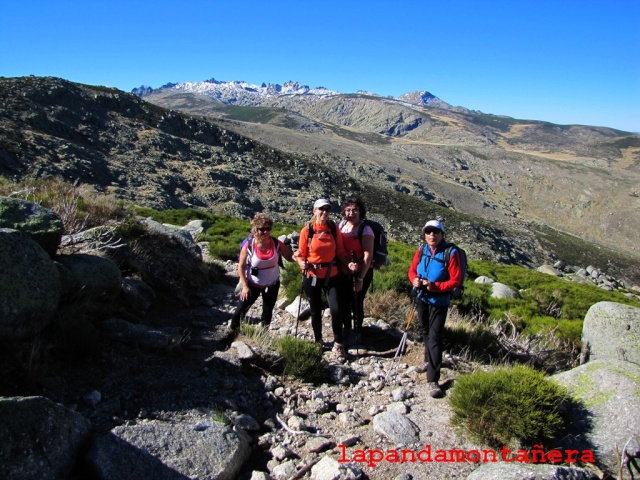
(320, 251)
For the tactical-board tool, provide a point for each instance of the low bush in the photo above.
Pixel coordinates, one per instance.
(389, 305)
(80, 207)
(515, 407)
(301, 358)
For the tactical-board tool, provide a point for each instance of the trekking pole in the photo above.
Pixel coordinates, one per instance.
(401, 346)
(355, 305)
(304, 272)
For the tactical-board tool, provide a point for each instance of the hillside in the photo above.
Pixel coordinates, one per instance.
(578, 179)
(505, 189)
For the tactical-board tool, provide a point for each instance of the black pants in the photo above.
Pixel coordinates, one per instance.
(432, 320)
(269, 297)
(314, 294)
(352, 303)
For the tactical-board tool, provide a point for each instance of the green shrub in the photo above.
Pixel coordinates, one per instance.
(394, 276)
(301, 358)
(516, 406)
(178, 217)
(225, 233)
(291, 280)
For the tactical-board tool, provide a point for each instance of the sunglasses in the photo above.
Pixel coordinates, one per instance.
(435, 232)
(351, 210)
(264, 229)
(325, 209)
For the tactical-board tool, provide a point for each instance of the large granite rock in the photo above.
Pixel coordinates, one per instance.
(40, 223)
(41, 439)
(609, 390)
(611, 331)
(90, 277)
(170, 451)
(29, 286)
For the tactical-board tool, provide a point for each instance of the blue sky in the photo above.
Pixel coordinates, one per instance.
(563, 61)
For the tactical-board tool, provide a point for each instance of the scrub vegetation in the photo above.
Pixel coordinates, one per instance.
(515, 406)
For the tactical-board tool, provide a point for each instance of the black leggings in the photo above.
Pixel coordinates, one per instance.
(269, 297)
(432, 320)
(352, 303)
(314, 294)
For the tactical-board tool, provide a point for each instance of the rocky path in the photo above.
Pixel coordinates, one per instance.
(367, 405)
(371, 403)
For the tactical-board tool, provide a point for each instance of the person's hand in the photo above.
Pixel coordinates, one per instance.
(244, 294)
(421, 283)
(357, 286)
(354, 267)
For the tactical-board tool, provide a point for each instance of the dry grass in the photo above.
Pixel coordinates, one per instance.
(79, 206)
(391, 306)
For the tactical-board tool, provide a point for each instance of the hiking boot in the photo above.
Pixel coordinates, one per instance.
(339, 351)
(422, 368)
(434, 390)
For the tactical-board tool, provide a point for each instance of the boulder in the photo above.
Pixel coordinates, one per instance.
(170, 451)
(29, 286)
(196, 227)
(612, 331)
(500, 290)
(549, 270)
(299, 307)
(397, 428)
(609, 391)
(40, 438)
(40, 223)
(484, 279)
(91, 276)
(167, 259)
(328, 468)
(137, 295)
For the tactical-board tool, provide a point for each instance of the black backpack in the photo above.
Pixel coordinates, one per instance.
(380, 250)
(457, 292)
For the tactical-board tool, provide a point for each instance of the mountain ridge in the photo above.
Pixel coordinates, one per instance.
(224, 91)
(152, 156)
(578, 179)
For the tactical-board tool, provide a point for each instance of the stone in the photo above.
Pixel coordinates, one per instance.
(609, 390)
(162, 450)
(92, 277)
(328, 468)
(612, 331)
(299, 304)
(395, 427)
(29, 286)
(549, 270)
(40, 438)
(41, 224)
(500, 290)
(484, 279)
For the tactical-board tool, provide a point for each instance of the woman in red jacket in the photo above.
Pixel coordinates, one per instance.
(434, 280)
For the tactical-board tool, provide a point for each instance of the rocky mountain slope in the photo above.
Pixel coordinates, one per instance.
(509, 190)
(578, 179)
